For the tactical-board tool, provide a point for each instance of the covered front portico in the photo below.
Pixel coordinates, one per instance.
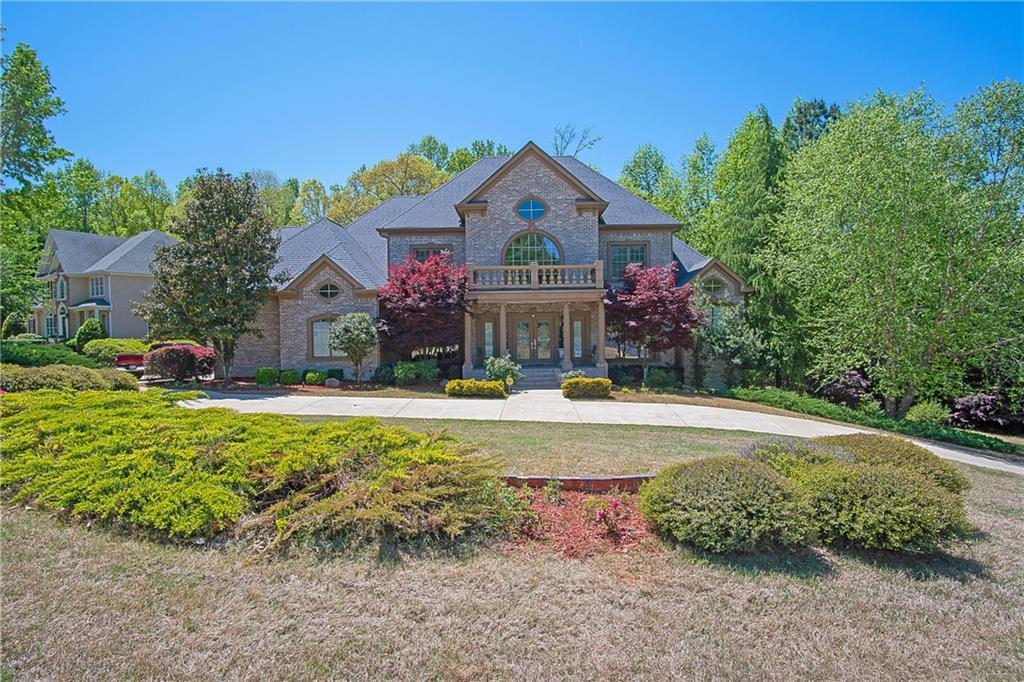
(556, 329)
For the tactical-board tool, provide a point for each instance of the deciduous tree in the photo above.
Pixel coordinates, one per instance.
(571, 142)
(212, 282)
(422, 305)
(355, 335)
(806, 121)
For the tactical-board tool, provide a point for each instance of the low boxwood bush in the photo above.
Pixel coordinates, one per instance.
(315, 378)
(896, 452)
(40, 355)
(16, 379)
(90, 330)
(105, 351)
(384, 374)
(290, 377)
(266, 376)
(929, 412)
(791, 456)
(475, 387)
(587, 388)
(726, 504)
(660, 378)
(181, 362)
(141, 460)
(882, 507)
(405, 373)
(822, 408)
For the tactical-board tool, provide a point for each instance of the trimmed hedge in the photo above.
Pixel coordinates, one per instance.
(822, 408)
(791, 456)
(16, 379)
(881, 507)
(290, 377)
(726, 504)
(587, 388)
(90, 330)
(40, 355)
(425, 372)
(315, 378)
(176, 472)
(266, 376)
(181, 362)
(896, 452)
(474, 387)
(105, 351)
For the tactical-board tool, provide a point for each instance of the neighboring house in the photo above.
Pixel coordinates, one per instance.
(540, 237)
(94, 276)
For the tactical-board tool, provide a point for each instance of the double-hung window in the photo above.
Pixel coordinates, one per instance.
(51, 326)
(621, 255)
(422, 253)
(95, 287)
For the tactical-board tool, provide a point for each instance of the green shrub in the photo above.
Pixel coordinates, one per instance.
(660, 378)
(427, 371)
(105, 351)
(572, 374)
(14, 325)
(141, 460)
(788, 400)
(16, 379)
(929, 412)
(336, 373)
(503, 368)
(266, 376)
(405, 373)
(725, 504)
(896, 452)
(40, 355)
(587, 388)
(290, 377)
(91, 330)
(28, 338)
(791, 456)
(315, 378)
(384, 374)
(877, 507)
(474, 387)
(871, 408)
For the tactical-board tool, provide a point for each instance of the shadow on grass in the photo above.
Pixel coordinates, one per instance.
(934, 566)
(805, 563)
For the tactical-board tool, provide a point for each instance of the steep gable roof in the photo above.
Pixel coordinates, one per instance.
(133, 255)
(327, 238)
(691, 261)
(76, 251)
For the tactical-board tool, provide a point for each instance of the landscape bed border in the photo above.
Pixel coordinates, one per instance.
(626, 483)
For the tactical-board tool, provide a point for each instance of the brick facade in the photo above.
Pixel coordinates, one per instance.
(401, 245)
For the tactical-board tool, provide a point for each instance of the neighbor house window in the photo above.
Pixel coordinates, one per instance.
(320, 334)
(95, 287)
(62, 289)
(621, 255)
(329, 290)
(532, 247)
(51, 290)
(32, 324)
(712, 286)
(531, 210)
(51, 326)
(422, 253)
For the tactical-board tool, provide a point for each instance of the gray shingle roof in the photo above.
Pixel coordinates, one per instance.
(364, 228)
(327, 238)
(76, 251)
(437, 209)
(288, 231)
(133, 255)
(690, 260)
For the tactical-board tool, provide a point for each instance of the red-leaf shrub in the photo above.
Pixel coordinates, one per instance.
(181, 362)
(422, 304)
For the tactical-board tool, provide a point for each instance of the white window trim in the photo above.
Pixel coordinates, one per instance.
(93, 281)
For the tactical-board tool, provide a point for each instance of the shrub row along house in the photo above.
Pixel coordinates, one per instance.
(540, 238)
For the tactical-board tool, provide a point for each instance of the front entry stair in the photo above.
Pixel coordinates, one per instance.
(539, 377)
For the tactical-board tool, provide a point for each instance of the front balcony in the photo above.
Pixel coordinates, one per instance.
(535, 276)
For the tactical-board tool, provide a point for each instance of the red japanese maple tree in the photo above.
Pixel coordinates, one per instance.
(648, 311)
(422, 304)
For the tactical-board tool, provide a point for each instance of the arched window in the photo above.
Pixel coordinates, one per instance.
(531, 247)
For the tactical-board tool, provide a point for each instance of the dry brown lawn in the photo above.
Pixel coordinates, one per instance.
(81, 603)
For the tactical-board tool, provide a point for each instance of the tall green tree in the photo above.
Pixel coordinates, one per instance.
(806, 121)
(906, 243)
(80, 184)
(212, 282)
(27, 99)
(697, 191)
(311, 204)
(19, 254)
(648, 175)
(406, 175)
(462, 158)
(280, 197)
(431, 149)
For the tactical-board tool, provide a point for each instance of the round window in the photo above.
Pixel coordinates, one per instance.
(712, 285)
(531, 210)
(329, 291)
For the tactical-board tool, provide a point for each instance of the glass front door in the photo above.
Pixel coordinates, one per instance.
(533, 339)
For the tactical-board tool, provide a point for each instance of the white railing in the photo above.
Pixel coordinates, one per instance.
(536, 276)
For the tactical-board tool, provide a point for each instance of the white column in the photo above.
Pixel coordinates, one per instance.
(566, 340)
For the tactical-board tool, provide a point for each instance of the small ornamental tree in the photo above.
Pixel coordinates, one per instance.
(212, 282)
(422, 305)
(648, 311)
(355, 335)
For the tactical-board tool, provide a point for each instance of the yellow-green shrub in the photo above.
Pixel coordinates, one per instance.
(875, 449)
(474, 387)
(882, 507)
(586, 388)
(16, 379)
(725, 504)
(105, 351)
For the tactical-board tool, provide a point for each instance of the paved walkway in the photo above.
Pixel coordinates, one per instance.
(550, 406)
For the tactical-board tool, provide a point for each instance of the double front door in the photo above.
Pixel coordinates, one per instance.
(534, 338)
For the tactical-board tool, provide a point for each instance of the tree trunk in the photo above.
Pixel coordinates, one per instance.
(897, 408)
(226, 351)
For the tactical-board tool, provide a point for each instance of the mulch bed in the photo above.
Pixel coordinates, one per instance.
(572, 527)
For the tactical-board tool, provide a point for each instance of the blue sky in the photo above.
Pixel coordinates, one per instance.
(318, 89)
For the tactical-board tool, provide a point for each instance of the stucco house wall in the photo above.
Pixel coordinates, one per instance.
(124, 292)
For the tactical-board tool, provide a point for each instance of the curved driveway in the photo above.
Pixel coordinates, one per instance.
(550, 406)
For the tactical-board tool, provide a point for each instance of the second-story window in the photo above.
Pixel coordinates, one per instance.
(95, 287)
(621, 255)
(422, 253)
(329, 290)
(62, 289)
(530, 210)
(532, 247)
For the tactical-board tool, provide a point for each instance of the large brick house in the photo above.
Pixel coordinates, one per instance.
(540, 237)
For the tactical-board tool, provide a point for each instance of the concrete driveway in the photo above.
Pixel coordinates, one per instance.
(550, 406)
